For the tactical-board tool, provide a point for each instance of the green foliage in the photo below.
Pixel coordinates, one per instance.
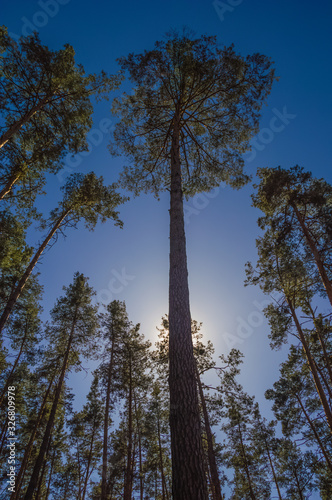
(46, 110)
(211, 95)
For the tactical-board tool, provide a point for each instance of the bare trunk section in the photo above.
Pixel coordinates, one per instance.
(322, 272)
(106, 418)
(246, 466)
(128, 483)
(43, 448)
(6, 189)
(139, 434)
(21, 284)
(215, 483)
(87, 474)
(188, 476)
(272, 468)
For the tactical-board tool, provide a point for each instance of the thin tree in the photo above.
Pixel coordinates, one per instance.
(85, 197)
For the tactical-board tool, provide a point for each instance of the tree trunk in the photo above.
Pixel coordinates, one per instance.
(322, 272)
(312, 366)
(310, 422)
(9, 378)
(106, 419)
(272, 468)
(141, 482)
(39, 462)
(28, 448)
(21, 284)
(163, 479)
(298, 485)
(3, 434)
(13, 129)
(50, 477)
(6, 189)
(88, 465)
(128, 483)
(246, 466)
(188, 476)
(215, 483)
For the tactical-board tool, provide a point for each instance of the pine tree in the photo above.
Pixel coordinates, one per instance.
(45, 111)
(85, 198)
(194, 109)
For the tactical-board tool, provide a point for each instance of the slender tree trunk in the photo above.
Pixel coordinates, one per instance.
(312, 366)
(3, 434)
(28, 448)
(21, 284)
(163, 479)
(6, 189)
(322, 271)
(88, 465)
(188, 476)
(310, 422)
(50, 476)
(246, 466)
(326, 355)
(318, 322)
(13, 129)
(215, 483)
(128, 483)
(272, 468)
(9, 378)
(106, 419)
(141, 482)
(298, 485)
(34, 478)
(325, 382)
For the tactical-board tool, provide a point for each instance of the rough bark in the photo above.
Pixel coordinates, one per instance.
(21, 284)
(188, 476)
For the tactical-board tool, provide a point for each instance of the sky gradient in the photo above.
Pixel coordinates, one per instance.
(132, 264)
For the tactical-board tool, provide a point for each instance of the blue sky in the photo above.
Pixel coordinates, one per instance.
(132, 264)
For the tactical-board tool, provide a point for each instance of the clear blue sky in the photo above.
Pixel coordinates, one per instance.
(221, 230)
